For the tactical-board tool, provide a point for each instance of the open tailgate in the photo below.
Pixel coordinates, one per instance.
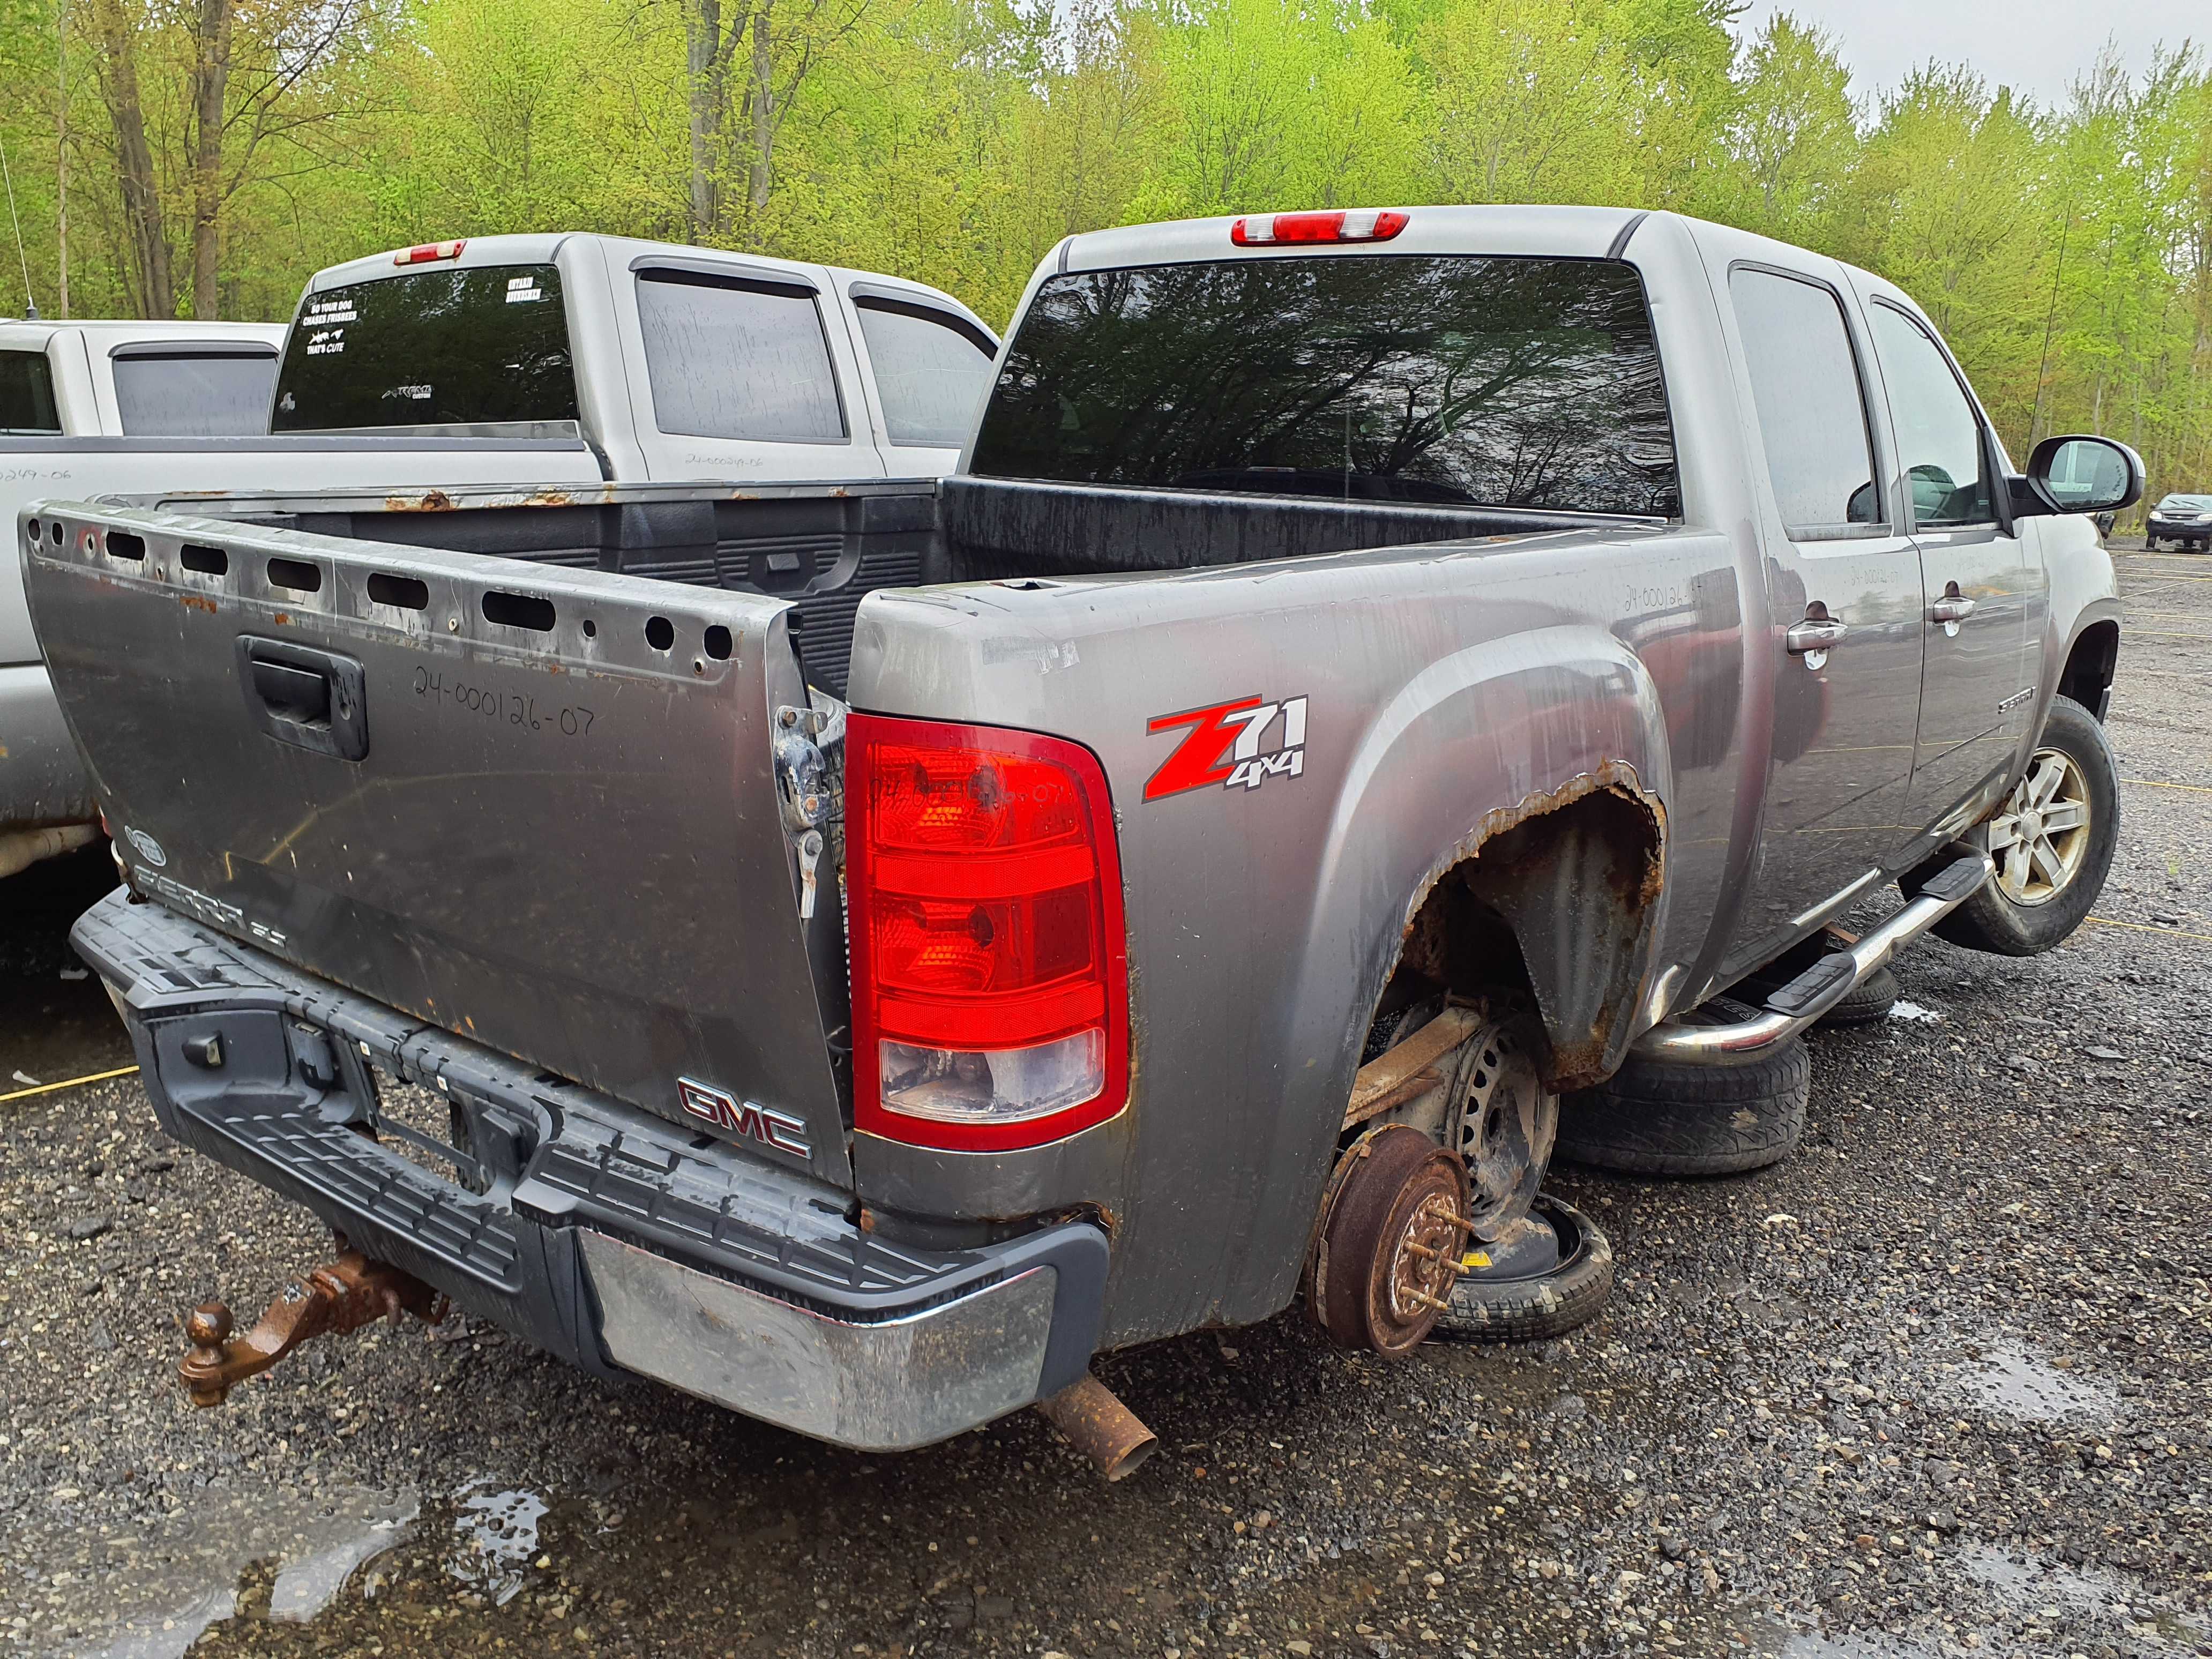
(533, 805)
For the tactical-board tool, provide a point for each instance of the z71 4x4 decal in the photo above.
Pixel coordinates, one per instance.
(1223, 745)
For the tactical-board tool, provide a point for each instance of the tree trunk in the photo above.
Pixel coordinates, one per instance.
(211, 89)
(707, 85)
(762, 99)
(141, 192)
(61, 154)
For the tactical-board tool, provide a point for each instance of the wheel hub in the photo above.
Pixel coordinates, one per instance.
(1387, 1254)
(2041, 837)
(1502, 1121)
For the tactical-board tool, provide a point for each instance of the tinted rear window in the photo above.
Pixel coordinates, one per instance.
(1512, 382)
(432, 348)
(27, 394)
(194, 394)
(732, 357)
(931, 370)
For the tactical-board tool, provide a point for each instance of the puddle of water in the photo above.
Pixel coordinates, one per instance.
(2008, 1378)
(2042, 1587)
(159, 1593)
(495, 1537)
(1902, 1009)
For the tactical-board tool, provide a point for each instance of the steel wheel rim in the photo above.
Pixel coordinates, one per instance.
(1502, 1124)
(2041, 838)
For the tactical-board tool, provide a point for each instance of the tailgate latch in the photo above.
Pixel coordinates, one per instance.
(313, 700)
(802, 788)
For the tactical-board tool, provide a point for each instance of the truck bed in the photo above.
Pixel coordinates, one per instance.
(824, 546)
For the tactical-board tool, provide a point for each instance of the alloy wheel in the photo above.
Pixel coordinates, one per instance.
(2042, 835)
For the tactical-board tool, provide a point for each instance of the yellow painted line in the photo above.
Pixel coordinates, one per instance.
(48, 1087)
(2145, 928)
(2153, 783)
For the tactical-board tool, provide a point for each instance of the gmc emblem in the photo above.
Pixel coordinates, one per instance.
(744, 1117)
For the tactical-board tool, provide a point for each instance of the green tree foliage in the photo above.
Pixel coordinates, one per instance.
(218, 150)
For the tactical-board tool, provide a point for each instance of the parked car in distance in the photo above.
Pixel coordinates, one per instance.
(1373, 674)
(2184, 520)
(559, 361)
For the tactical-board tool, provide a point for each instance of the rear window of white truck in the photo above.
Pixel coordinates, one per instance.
(430, 348)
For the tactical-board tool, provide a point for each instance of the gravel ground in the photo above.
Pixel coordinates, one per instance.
(1940, 1383)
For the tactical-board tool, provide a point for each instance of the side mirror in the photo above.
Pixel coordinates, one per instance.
(2080, 475)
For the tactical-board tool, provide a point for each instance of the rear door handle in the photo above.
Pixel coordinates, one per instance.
(306, 698)
(1951, 609)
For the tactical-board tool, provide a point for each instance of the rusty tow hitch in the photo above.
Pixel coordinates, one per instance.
(349, 1293)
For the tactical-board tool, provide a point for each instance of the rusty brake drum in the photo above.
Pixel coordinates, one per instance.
(1384, 1257)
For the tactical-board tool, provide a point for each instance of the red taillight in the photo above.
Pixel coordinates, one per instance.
(1350, 225)
(990, 971)
(423, 252)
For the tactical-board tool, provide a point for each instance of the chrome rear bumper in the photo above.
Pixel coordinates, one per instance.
(1796, 1005)
(885, 1386)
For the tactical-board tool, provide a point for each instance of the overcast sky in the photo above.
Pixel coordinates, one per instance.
(2035, 47)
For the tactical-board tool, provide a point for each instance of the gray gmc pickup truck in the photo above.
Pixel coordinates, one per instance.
(870, 948)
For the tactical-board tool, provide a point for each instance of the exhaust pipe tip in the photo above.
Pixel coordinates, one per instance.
(1091, 1418)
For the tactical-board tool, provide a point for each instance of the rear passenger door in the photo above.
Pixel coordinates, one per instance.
(930, 367)
(1984, 587)
(1843, 584)
(748, 372)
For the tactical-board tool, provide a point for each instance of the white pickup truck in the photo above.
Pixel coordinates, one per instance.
(540, 361)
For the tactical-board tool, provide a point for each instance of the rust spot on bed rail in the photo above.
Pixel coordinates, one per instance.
(197, 602)
(430, 500)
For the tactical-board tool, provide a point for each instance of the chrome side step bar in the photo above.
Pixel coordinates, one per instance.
(1796, 1005)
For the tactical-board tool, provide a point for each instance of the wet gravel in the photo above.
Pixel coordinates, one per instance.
(1940, 1383)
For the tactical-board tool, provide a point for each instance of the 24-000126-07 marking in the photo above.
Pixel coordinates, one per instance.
(570, 720)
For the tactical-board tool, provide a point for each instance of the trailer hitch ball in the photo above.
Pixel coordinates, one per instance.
(207, 1327)
(348, 1294)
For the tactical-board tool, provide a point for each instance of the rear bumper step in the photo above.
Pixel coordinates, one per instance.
(1792, 1007)
(601, 1233)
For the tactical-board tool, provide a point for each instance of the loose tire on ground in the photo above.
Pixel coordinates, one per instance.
(1543, 1305)
(2062, 819)
(1664, 1117)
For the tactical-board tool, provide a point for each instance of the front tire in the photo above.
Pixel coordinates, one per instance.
(2052, 841)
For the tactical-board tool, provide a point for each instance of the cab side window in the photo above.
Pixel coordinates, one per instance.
(737, 357)
(1805, 382)
(27, 395)
(1939, 436)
